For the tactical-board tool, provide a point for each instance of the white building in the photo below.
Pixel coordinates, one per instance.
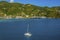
(11, 1)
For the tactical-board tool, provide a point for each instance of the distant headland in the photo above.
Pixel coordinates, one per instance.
(18, 10)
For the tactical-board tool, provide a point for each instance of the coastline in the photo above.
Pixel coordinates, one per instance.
(28, 18)
(20, 19)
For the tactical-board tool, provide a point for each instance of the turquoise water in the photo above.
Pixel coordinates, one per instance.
(41, 29)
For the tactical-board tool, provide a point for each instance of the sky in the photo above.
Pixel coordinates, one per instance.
(40, 2)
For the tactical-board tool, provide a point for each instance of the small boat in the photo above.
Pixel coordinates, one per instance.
(28, 34)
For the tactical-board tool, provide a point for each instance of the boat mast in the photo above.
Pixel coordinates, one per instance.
(28, 28)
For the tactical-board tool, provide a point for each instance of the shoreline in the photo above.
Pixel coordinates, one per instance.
(29, 18)
(20, 19)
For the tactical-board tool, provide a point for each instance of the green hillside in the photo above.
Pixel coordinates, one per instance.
(18, 10)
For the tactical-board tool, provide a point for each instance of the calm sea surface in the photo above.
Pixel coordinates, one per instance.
(41, 29)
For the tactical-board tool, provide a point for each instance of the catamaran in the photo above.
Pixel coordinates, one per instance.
(28, 34)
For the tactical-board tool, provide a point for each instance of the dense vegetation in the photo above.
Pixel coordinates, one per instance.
(27, 10)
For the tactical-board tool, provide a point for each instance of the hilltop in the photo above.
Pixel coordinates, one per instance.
(18, 10)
